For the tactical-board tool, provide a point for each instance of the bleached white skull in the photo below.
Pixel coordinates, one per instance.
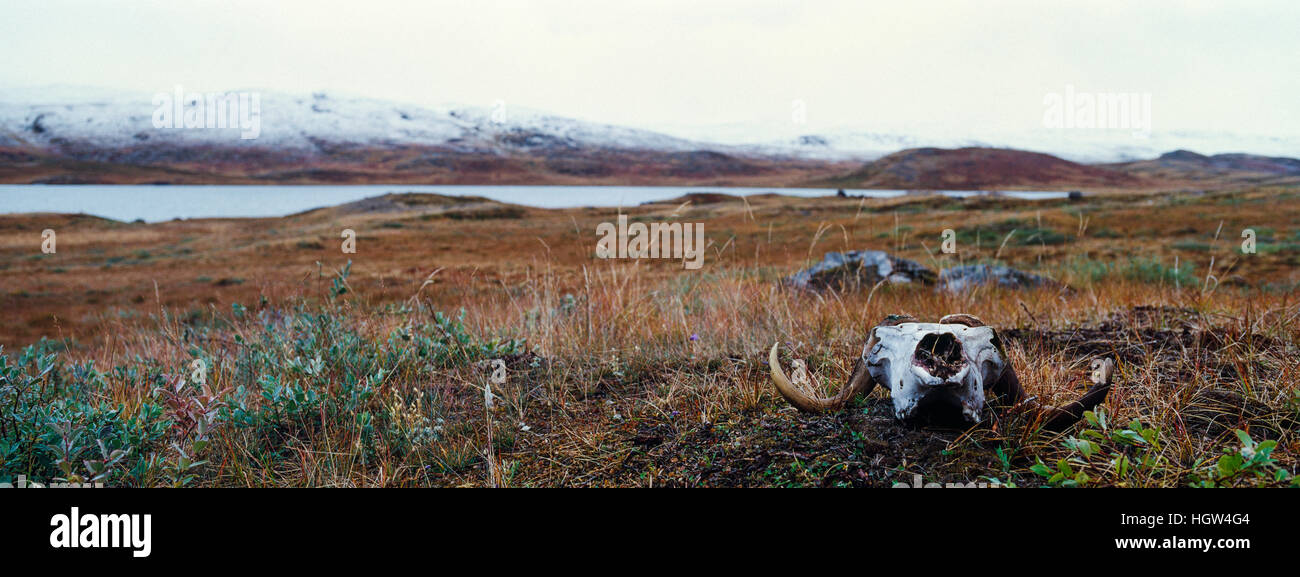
(940, 371)
(930, 368)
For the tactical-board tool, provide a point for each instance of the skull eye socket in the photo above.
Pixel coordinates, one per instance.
(940, 354)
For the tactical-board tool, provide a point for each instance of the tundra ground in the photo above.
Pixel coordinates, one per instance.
(324, 368)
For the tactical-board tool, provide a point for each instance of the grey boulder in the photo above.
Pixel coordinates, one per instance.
(963, 278)
(856, 269)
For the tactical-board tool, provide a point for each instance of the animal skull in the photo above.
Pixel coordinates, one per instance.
(924, 364)
(938, 370)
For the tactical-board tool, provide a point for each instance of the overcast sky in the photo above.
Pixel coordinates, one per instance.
(971, 66)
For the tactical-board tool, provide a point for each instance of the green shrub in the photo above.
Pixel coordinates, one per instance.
(56, 427)
(306, 378)
(1025, 234)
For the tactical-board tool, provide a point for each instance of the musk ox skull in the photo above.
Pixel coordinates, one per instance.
(936, 371)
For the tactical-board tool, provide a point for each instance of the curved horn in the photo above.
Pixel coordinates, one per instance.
(859, 382)
(962, 319)
(895, 320)
(1057, 419)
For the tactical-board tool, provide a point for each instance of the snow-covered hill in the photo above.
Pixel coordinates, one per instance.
(96, 118)
(1084, 146)
(78, 119)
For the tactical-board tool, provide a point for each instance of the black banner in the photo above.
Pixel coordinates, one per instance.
(312, 527)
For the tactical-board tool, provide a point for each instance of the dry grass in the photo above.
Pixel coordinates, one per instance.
(640, 373)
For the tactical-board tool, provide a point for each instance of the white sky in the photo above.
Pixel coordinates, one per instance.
(967, 66)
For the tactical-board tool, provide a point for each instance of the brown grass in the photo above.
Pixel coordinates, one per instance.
(641, 373)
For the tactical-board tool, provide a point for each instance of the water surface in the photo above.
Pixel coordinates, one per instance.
(154, 203)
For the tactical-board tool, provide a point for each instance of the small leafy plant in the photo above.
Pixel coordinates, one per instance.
(1250, 463)
(1102, 452)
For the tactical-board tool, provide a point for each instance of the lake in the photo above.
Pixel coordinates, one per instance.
(154, 203)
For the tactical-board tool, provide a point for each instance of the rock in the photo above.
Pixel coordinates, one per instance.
(963, 278)
(859, 269)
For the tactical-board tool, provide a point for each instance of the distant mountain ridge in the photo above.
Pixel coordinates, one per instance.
(975, 168)
(313, 123)
(76, 136)
(1224, 163)
(1194, 169)
(321, 138)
